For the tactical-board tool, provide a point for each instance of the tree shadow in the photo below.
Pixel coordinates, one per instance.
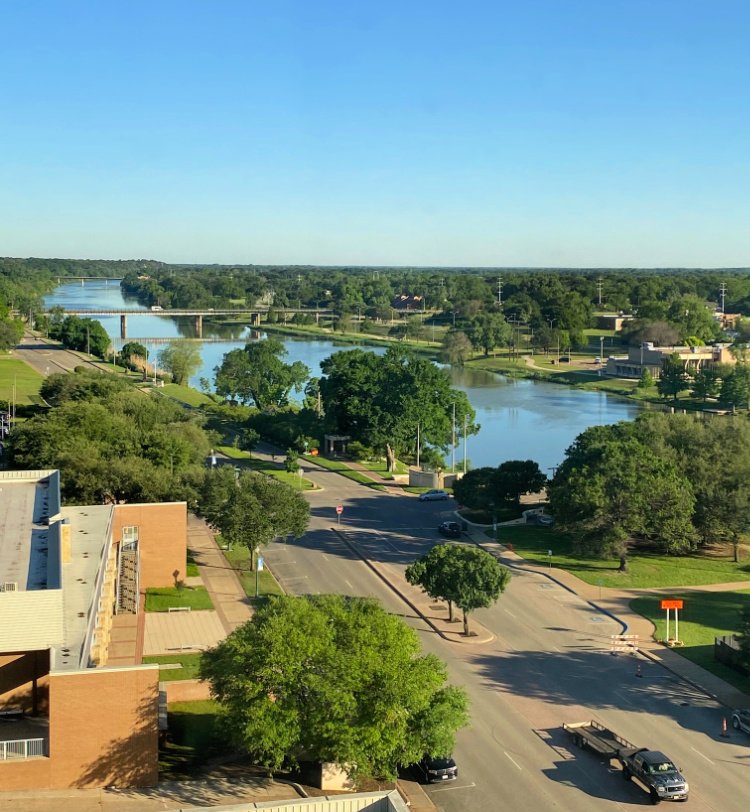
(608, 682)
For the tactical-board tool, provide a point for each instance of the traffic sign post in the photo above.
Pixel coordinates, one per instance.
(258, 568)
(339, 511)
(676, 605)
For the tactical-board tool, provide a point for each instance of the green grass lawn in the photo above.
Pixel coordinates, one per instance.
(186, 394)
(189, 662)
(27, 381)
(161, 599)
(344, 470)
(645, 571)
(234, 453)
(704, 617)
(193, 737)
(191, 568)
(239, 558)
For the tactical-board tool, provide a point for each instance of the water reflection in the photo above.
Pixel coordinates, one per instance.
(520, 419)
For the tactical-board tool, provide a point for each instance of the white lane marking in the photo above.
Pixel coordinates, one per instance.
(283, 563)
(701, 754)
(348, 584)
(511, 758)
(459, 786)
(508, 613)
(297, 578)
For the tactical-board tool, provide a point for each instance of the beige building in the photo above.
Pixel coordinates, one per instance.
(75, 712)
(652, 358)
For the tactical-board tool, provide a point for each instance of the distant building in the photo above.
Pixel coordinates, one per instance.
(727, 321)
(407, 301)
(612, 321)
(84, 711)
(652, 359)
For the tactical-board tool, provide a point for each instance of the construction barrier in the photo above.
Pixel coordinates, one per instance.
(626, 643)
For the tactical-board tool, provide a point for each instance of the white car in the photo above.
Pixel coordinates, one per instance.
(741, 719)
(433, 496)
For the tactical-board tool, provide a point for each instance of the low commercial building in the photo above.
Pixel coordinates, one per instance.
(651, 358)
(77, 708)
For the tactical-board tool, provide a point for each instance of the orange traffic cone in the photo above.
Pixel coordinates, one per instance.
(638, 670)
(724, 731)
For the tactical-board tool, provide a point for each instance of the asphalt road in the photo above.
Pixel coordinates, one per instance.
(549, 664)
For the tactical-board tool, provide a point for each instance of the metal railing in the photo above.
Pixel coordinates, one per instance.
(22, 748)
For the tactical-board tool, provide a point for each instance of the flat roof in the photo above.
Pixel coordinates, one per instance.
(88, 537)
(24, 503)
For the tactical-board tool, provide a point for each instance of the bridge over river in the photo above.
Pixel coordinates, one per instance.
(253, 314)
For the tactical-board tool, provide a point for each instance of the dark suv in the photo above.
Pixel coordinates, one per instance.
(437, 768)
(450, 529)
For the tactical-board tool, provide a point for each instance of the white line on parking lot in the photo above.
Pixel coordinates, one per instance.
(348, 584)
(512, 759)
(454, 786)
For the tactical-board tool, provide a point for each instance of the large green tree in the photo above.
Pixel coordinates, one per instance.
(252, 509)
(182, 359)
(466, 576)
(257, 374)
(490, 488)
(673, 377)
(385, 401)
(488, 330)
(612, 489)
(333, 679)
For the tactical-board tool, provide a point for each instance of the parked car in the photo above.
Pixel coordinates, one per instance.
(542, 519)
(450, 529)
(433, 496)
(741, 719)
(434, 769)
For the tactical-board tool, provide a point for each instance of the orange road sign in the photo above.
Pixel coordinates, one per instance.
(673, 604)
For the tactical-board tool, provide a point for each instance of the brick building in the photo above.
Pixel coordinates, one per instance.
(76, 711)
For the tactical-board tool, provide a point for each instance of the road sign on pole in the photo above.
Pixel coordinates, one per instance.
(339, 511)
(676, 605)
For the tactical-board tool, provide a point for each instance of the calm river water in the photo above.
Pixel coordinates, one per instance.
(520, 419)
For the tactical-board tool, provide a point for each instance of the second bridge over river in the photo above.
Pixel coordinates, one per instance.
(251, 314)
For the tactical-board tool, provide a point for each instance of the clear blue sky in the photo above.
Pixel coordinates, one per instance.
(542, 132)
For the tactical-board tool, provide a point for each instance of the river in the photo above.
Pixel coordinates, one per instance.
(520, 418)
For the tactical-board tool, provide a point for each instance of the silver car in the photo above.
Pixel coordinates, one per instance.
(433, 496)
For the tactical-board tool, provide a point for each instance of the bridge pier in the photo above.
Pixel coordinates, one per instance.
(123, 326)
(199, 326)
(255, 319)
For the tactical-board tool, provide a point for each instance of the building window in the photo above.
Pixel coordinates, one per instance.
(129, 537)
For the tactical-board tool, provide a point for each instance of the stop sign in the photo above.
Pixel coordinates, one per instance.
(339, 509)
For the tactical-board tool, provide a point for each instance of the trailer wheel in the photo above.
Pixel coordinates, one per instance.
(655, 799)
(579, 741)
(626, 773)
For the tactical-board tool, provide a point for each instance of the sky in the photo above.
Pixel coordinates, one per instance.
(572, 133)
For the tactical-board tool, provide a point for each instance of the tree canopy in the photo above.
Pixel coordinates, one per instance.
(181, 358)
(490, 488)
(468, 577)
(333, 679)
(379, 400)
(252, 509)
(257, 375)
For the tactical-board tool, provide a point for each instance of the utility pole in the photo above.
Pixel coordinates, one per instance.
(500, 291)
(418, 444)
(466, 427)
(599, 283)
(722, 293)
(453, 441)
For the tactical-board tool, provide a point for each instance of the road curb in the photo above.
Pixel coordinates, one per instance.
(389, 584)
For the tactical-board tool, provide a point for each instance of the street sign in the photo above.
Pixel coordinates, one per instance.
(260, 565)
(671, 604)
(339, 509)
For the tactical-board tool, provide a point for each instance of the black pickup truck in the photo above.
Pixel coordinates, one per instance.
(652, 768)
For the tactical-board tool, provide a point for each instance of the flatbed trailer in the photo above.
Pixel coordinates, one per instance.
(598, 738)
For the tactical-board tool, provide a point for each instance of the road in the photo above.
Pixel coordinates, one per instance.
(549, 664)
